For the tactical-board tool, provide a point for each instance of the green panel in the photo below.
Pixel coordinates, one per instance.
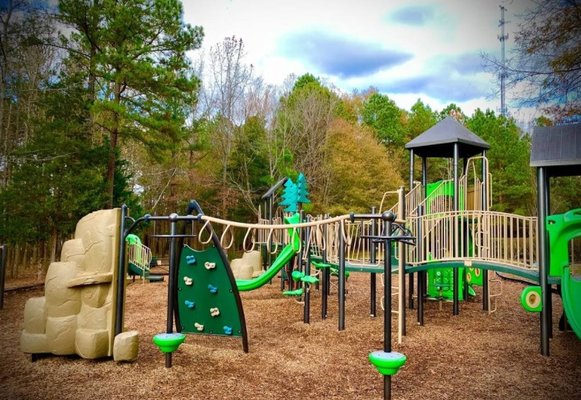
(440, 283)
(196, 300)
(437, 189)
(561, 229)
(474, 276)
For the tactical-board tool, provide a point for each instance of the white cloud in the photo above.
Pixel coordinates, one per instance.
(436, 34)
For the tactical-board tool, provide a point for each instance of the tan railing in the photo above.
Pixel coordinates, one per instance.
(412, 199)
(140, 256)
(437, 201)
(475, 235)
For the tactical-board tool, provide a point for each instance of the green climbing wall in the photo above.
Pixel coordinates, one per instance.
(206, 295)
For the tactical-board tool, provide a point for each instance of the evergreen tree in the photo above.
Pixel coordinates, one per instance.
(132, 53)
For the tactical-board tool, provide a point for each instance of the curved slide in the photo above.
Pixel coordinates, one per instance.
(250, 284)
(571, 292)
(285, 256)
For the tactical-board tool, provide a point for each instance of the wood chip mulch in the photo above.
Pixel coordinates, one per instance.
(473, 356)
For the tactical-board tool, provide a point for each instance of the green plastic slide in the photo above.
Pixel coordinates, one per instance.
(250, 284)
(285, 256)
(571, 292)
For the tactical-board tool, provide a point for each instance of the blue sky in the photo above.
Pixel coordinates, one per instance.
(406, 49)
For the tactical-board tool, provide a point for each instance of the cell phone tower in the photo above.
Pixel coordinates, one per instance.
(503, 75)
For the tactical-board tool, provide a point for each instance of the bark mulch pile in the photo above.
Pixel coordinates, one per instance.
(473, 355)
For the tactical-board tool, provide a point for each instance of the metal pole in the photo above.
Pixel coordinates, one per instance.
(120, 301)
(373, 260)
(543, 259)
(171, 282)
(341, 289)
(456, 301)
(3, 251)
(411, 277)
(421, 250)
(549, 319)
(485, 290)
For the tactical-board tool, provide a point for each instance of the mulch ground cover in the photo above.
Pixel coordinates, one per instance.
(474, 355)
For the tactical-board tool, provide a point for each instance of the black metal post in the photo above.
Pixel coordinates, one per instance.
(411, 275)
(456, 301)
(421, 250)
(341, 289)
(543, 259)
(373, 260)
(120, 301)
(485, 290)
(3, 251)
(549, 319)
(171, 282)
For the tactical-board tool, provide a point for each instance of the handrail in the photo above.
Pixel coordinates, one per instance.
(492, 236)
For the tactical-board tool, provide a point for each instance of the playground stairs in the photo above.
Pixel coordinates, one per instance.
(139, 263)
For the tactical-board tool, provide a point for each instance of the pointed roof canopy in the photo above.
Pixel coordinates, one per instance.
(558, 149)
(439, 140)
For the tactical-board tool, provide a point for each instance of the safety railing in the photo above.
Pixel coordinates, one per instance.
(140, 256)
(503, 238)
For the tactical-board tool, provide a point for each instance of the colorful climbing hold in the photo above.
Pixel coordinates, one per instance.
(214, 311)
(209, 265)
(212, 289)
(188, 281)
(191, 260)
(190, 304)
(199, 327)
(227, 330)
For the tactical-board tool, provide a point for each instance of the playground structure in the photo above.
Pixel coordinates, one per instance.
(450, 220)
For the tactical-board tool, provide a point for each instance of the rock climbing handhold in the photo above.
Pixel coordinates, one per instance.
(209, 265)
(214, 311)
(227, 330)
(188, 281)
(199, 327)
(190, 304)
(212, 289)
(191, 260)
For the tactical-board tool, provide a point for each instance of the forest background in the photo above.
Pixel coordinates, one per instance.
(104, 104)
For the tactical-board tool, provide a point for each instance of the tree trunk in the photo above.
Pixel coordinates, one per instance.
(112, 148)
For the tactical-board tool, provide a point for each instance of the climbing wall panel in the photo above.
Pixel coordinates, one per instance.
(207, 295)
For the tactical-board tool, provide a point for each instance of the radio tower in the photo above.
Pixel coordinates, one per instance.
(502, 37)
